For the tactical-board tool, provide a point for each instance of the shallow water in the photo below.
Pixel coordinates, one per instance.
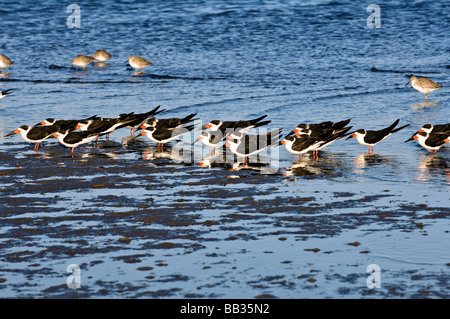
(143, 226)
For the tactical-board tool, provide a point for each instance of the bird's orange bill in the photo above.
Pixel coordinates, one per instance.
(16, 131)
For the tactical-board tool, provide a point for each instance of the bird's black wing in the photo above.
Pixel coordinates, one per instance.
(373, 137)
(40, 132)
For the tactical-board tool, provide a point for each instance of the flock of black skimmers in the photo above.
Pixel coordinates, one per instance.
(234, 135)
(302, 139)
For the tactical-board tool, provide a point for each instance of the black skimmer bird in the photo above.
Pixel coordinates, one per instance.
(328, 139)
(138, 119)
(423, 85)
(429, 128)
(300, 145)
(315, 137)
(219, 130)
(163, 135)
(319, 127)
(163, 131)
(64, 124)
(245, 145)
(371, 138)
(235, 126)
(169, 123)
(73, 139)
(35, 134)
(211, 139)
(106, 126)
(431, 141)
(5, 93)
(303, 143)
(318, 133)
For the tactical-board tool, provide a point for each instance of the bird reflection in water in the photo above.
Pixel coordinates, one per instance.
(432, 166)
(425, 104)
(151, 154)
(101, 64)
(302, 169)
(177, 155)
(99, 155)
(84, 153)
(261, 167)
(228, 161)
(364, 160)
(5, 75)
(329, 165)
(217, 160)
(106, 144)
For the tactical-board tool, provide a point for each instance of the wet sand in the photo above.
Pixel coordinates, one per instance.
(140, 226)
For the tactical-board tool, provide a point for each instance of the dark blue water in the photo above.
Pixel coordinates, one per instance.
(293, 61)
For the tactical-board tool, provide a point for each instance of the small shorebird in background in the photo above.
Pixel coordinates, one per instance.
(138, 63)
(423, 85)
(5, 62)
(101, 55)
(82, 60)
